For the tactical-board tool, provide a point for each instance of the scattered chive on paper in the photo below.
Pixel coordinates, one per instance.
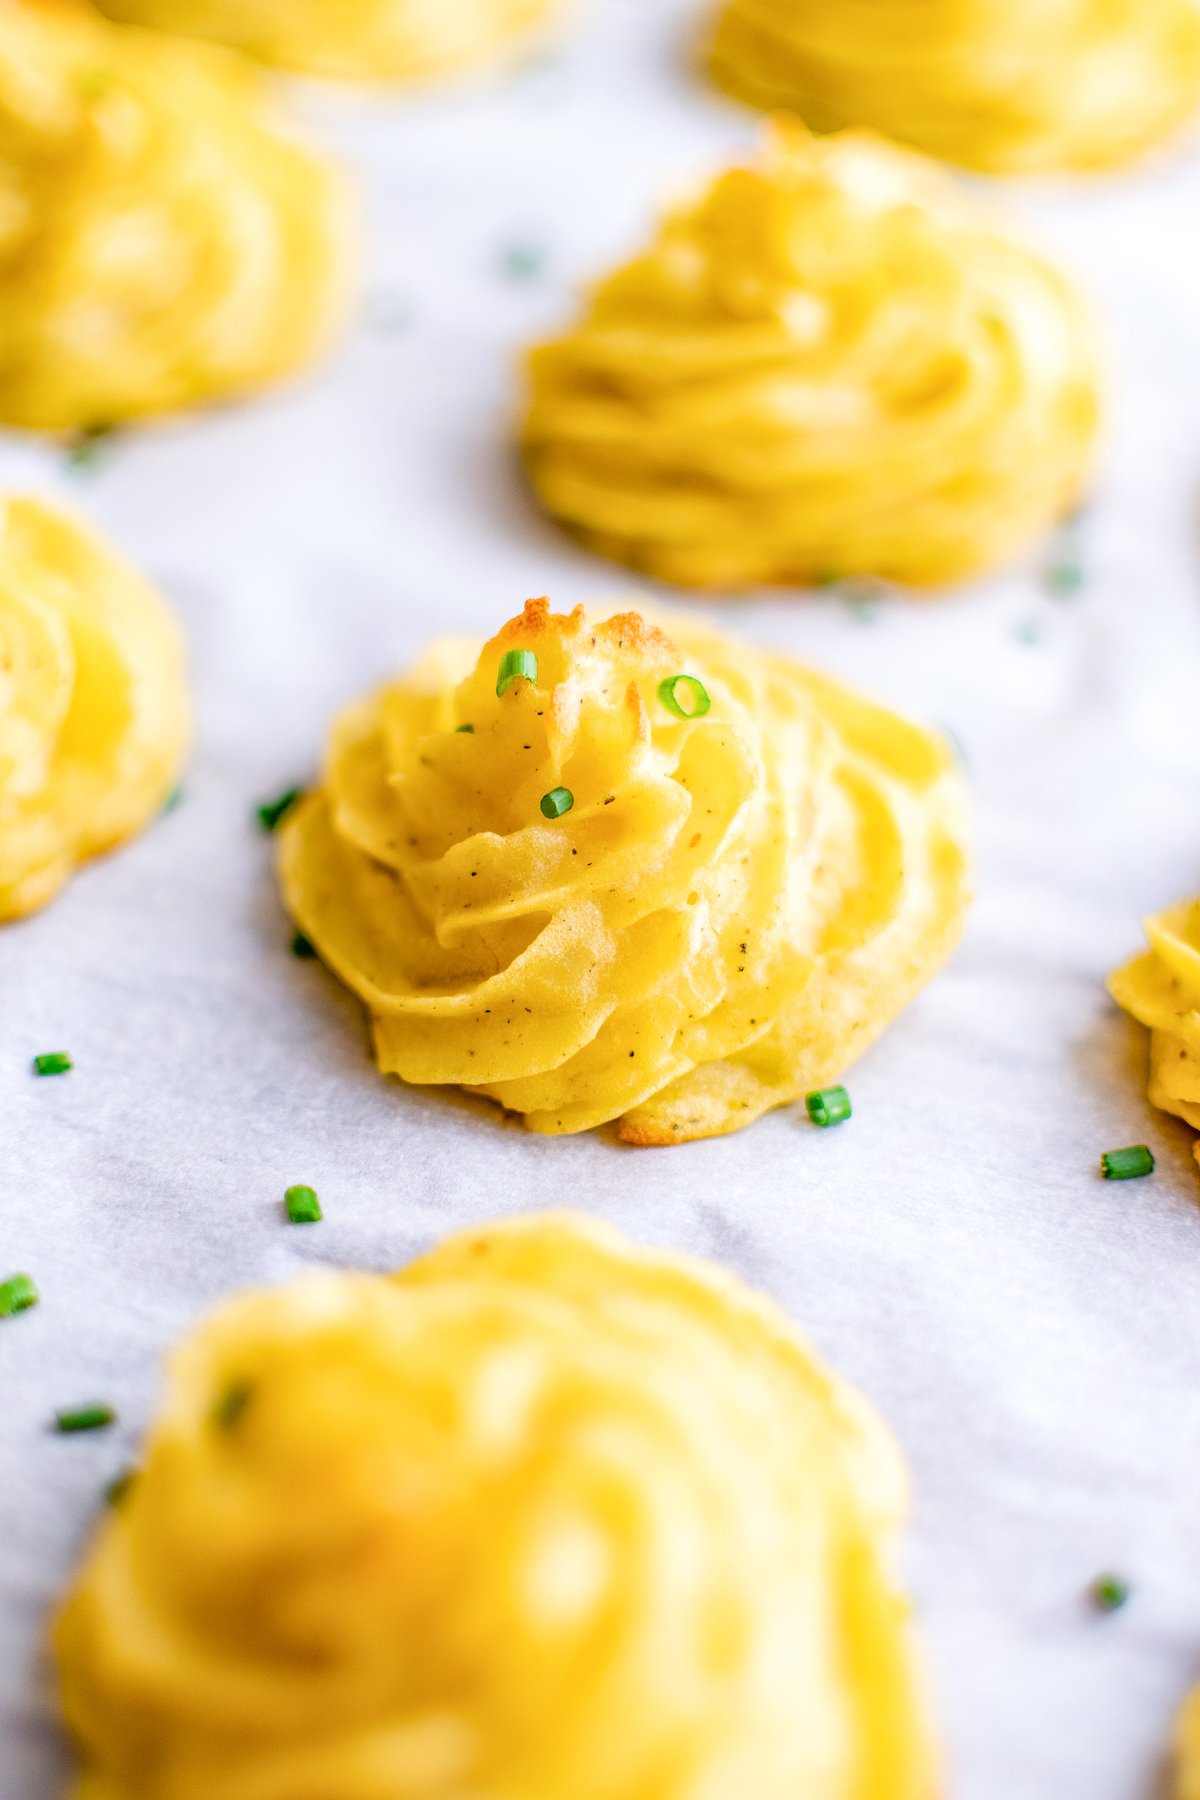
(1109, 1593)
(119, 1486)
(272, 813)
(1128, 1164)
(172, 800)
(52, 1062)
(828, 1106)
(303, 947)
(17, 1295)
(668, 693)
(303, 1207)
(521, 262)
(558, 801)
(93, 1417)
(87, 447)
(231, 1405)
(516, 665)
(1064, 577)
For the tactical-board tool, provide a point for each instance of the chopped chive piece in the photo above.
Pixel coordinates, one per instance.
(119, 1486)
(1127, 1165)
(303, 947)
(521, 262)
(84, 1418)
(231, 1405)
(1064, 577)
(272, 813)
(52, 1062)
(172, 800)
(516, 665)
(828, 1106)
(557, 802)
(86, 448)
(303, 1207)
(668, 693)
(469, 728)
(17, 1294)
(1109, 1593)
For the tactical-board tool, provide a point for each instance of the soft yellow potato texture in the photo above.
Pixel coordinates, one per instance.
(734, 906)
(541, 1518)
(93, 704)
(1011, 86)
(163, 242)
(1187, 1750)
(1161, 988)
(355, 40)
(828, 363)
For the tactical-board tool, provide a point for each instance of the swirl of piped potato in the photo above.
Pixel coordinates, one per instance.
(543, 1517)
(1161, 989)
(735, 904)
(94, 713)
(827, 363)
(356, 40)
(163, 241)
(1015, 88)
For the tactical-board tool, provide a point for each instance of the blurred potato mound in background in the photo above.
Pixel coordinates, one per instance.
(355, 40)
(163, 242)
(1005, 85)
(541, 1518)
(93, 707)
(827, 363)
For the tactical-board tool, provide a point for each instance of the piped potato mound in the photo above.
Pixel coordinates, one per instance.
(665, 880)
(1161, 989)
(1013, 87)
(163, 243)
(827, 363)
(355, 40)
(1187, 1750)
(543, 1517)
(94, 714)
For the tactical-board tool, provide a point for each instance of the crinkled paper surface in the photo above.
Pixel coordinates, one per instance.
(1032, 1333)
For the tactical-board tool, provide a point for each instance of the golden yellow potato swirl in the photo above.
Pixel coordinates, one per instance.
(162, 243)
(541, 1518)
(355, 40)
(734, 906)
(826, 364)
(1006, 85)
(1187, 1750)
(1161, 988)
(93, 706)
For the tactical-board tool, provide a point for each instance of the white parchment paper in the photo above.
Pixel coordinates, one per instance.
(1032, 1333)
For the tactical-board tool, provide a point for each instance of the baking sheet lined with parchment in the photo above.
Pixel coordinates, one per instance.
(1030, 1332)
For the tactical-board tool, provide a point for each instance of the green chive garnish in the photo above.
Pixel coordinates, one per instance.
(172, 800)
(828, 1106)
(1064, 578)
(84, 1418)
(521, 262)
(119, 1486)
(231, 1405)
(514, 665)
(303, 947)
(469, 728)
(272, 813)
(699, 702)
(1109, 1593)
(87, 446)
(303, 1207)
(17, 1294)
(52, 1062)
(1127, 1165)
(557, 802)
